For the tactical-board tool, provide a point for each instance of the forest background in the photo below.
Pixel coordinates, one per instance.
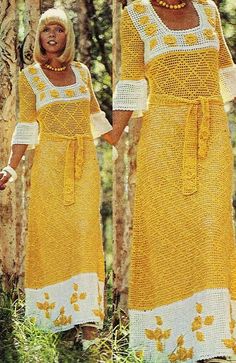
(92, 19)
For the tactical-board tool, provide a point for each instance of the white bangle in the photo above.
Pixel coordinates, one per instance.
(12, 172)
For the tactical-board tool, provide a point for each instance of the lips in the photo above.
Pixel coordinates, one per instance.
(52, 42)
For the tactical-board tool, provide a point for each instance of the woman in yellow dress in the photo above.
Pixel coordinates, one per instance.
(182, 285)
(64, 263)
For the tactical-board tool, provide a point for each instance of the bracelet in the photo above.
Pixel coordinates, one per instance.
(12, 172)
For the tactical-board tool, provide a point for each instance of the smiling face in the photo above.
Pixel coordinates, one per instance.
(53, 39)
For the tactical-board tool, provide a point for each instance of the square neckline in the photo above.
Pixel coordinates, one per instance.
(180, 31)
(73, 68)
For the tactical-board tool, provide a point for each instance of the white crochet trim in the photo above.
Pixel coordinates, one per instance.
(163, 30)
(45, 96)
(178, 317)
(11, 171)
(99, 124)
(60, 293)
(228, 83)
(26, 133)
(130, 95)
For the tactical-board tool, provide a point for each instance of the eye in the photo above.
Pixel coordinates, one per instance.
(60, 30)
(45, 30)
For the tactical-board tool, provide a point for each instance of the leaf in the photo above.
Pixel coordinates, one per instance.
(98, 313)
(82, 295)
(199, 308)
(209, 320)
(62, 310)
(52, 305)
(75, 286)
(47, 314)
(160, 346)
(166, 333)
(172, 358)
(139, 354)
(200, 336)
(40, 305)
(150, 334)
(190, 353)
(76, 307)
(159, 320)
(182, 353)
(180, 340)
(229, 343)
(197, 323)
(74, 298)
(158, 334)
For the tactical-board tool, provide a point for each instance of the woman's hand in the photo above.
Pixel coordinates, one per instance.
(109, 137)
(4, 178)
(120, 120)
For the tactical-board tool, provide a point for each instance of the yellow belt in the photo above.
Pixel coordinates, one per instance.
(73, 163)
(195, 140)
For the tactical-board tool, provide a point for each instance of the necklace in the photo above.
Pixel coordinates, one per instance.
(58, 69)
(164, 4)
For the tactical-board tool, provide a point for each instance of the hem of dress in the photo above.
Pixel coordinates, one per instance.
(99, 325)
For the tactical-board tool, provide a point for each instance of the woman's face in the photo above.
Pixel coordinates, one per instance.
(53, 39)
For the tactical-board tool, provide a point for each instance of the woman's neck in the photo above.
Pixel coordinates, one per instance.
(53, 61)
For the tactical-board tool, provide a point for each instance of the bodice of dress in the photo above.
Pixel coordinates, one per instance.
(179, 62)
(61, 109)
(157, 60)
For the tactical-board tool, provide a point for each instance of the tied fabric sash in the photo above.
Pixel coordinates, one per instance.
(73, 161)
(196, 138)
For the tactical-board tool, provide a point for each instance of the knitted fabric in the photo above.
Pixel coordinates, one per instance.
(182, 282)
(64, 263)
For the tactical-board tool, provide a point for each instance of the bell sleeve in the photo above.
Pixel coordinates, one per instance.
(98, 122)
(131, 90)
(26, 129)
(227, 68)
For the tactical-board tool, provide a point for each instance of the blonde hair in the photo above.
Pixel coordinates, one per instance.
(57, 16)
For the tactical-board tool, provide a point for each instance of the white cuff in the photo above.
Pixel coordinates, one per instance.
(130, 95)
(228, 83)
(99, 124)
(10, 171)
(26, 133)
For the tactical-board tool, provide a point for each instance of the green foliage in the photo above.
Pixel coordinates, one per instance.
(21, 341)
(228, 15)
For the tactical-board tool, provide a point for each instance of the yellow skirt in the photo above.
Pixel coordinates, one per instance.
(182, 285)
(64, 266)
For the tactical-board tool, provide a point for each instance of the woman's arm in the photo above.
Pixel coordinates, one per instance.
(17, 151)
(120, 119)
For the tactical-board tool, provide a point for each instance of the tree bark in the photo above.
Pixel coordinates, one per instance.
(8, 71)
(124, 185)
(45, 5)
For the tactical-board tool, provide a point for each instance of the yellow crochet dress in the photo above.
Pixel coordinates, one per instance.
(64, 263)
(182, 283)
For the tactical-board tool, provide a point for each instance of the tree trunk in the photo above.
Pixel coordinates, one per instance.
(8, 71)
(45, 5)
(31, 17)
(85, 33)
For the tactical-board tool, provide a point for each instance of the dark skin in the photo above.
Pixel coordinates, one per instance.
(185, 18)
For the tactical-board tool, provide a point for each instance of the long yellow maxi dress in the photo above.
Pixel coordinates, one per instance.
(64, 263)
(182, 283)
